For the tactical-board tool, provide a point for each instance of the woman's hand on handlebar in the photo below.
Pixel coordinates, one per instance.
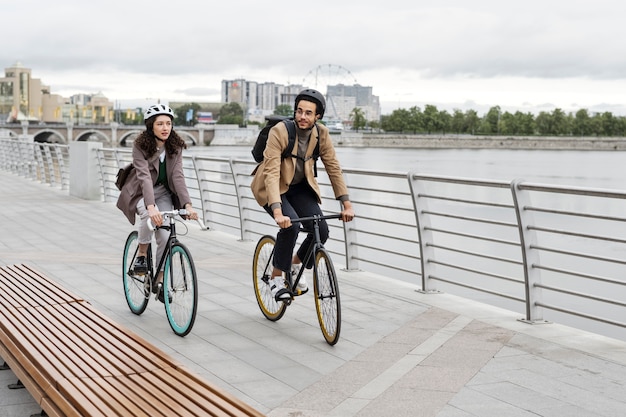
(191, 213)
(155, 215)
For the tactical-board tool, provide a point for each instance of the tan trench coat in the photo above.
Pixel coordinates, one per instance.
(273, 176)
(140, 182)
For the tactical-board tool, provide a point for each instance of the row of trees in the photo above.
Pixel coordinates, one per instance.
(496, 122)
(432, 120)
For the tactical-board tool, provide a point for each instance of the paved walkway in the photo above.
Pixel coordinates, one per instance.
(401, 353)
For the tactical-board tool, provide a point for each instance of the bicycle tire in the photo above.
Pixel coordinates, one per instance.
(180, 286)
(327, 301)
(261, 271)
(136, 287)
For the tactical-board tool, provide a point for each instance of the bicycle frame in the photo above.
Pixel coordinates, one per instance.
(316, 243)
(171, 240)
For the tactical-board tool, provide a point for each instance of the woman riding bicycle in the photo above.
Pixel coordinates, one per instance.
(287, 188)
(156, 184)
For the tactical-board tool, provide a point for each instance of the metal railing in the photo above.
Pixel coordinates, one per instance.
(550, 252)
(44, 162)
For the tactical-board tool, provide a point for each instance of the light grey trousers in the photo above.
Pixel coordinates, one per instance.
(163, 200)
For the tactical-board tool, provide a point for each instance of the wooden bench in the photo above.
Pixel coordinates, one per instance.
(75, 361)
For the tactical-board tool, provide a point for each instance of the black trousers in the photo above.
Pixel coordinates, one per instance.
(299, 201)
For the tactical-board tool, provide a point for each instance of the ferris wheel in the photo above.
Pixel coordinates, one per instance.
(323, 76)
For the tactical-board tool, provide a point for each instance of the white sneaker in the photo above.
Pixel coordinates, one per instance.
(301, 288)
(277, 286)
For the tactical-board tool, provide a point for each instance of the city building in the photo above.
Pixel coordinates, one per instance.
(261, 99)
(24, 98)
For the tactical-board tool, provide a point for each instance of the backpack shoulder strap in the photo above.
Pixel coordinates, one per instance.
(291, 134)
(316, 151)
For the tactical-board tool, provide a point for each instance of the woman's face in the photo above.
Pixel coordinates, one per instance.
(162, 127)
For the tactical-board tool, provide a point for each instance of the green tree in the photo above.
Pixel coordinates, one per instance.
(457, 122)
(560, 123)
(525, 123)
(416, 120)
(432, 122)
(181, 114)
(609, 124)
(581, 125)
(490, 124)
(231, 114)
(472, 122)
(445, 121)
(358, 118)
(544, 123)
(284, 110)
(373, 124)
(397, 121)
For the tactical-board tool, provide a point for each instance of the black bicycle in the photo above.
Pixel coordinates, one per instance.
(325, 286)
(180, 283)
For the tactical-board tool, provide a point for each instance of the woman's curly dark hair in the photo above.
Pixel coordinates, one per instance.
(147, 141)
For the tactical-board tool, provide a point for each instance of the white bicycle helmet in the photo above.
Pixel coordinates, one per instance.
(158, 109)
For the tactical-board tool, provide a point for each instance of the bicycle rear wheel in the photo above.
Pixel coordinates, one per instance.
(327, 303)
(136, 287)
(261, 272)
(180, 286)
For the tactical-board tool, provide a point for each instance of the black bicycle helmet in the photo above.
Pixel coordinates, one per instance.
(312, 95)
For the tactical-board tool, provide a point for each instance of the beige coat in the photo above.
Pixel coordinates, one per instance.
(273, 176)
(140, 182)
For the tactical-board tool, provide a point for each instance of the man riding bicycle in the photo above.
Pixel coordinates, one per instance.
(287, 188)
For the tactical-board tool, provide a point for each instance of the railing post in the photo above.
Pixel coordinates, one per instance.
(50, 163)
(424, 234)
(530, 255)
(350, 241)
(199, 183)
(238, 197)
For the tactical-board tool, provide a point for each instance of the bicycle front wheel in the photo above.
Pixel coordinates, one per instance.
(326, 291)
(261, 272)
(180, 286)
(136, 287)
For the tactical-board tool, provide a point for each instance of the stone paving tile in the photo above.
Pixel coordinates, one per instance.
(435, 355)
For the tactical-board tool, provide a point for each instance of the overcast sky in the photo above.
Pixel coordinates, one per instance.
(525, 55)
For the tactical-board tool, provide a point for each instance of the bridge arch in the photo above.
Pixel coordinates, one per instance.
(93, 135)
(127, 139)
(187, 137)
(49, 136)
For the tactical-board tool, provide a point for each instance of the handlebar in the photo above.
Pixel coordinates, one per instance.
(316, 218)
(171, 215)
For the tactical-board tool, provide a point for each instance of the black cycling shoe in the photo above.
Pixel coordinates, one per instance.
(141, 265)
(160, 295)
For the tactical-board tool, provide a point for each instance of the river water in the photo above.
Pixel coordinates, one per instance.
(595, 169)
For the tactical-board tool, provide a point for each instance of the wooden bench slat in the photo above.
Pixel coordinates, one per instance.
(196, 388)
(43, 336)
(109, 339)
(78, 362)
(99, 342)
(35, 388)
(21, 346)
(31, 289)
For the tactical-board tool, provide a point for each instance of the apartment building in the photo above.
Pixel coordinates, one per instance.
(25, 98)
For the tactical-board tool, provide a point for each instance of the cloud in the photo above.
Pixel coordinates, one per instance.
(455, 51)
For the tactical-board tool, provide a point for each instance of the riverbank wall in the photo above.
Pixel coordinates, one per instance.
(479, 142)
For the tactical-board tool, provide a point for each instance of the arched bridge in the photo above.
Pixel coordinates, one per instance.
(113, 134)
